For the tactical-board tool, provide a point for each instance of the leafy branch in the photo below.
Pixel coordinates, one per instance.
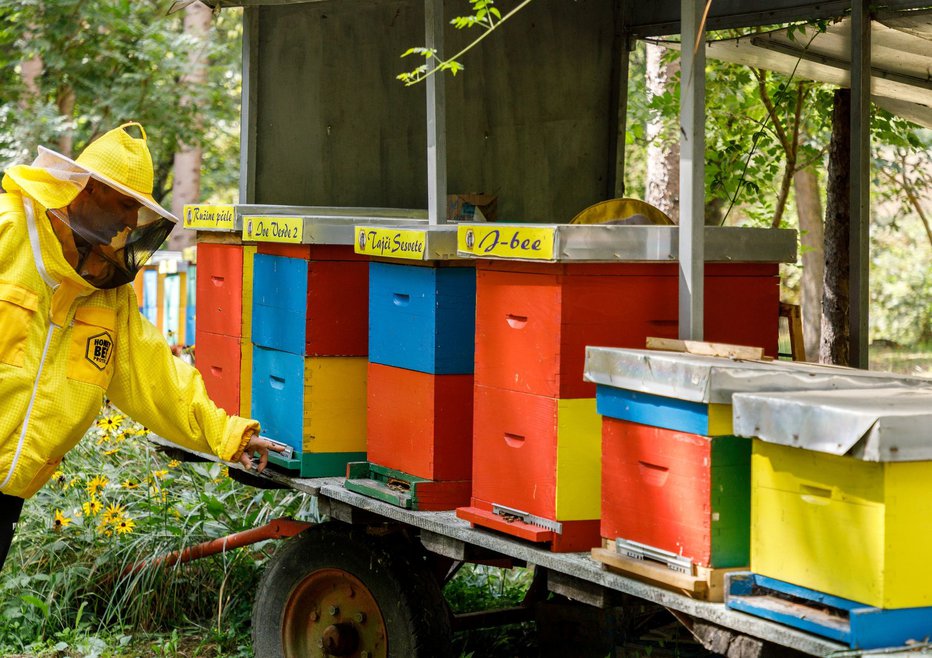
(485, 15)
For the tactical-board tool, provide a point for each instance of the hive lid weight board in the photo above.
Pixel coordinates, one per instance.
(877, 424)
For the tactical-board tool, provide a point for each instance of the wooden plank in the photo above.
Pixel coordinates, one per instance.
(665, 344)
(577, 589)
(704, 348)
(705, 583)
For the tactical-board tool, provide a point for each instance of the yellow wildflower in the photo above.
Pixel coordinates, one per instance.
(174, 463)
(103, 529)
(92, 507)
(124, 526)
(160, 474)
(112, 451)
(97, 484)
(58, 476)
(110, 423)
(130, 484)
(60, 520)
(113, 513)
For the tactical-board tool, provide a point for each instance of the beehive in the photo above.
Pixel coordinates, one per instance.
(840, 492)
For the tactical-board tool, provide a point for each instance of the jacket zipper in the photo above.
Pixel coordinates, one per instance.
(32, 400)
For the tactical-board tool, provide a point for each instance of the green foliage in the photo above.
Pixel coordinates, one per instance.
(118, 502)
(901, 285)
(122, 60)
(478, 587)
(485, 15)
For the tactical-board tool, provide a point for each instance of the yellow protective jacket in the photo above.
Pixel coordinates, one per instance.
(64, 344)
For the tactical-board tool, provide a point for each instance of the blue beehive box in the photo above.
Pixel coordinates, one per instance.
(191, 308)
(422, 318)
(310, 307)
(279, 302)
(316, 405)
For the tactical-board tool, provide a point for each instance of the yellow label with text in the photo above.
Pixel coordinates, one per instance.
(208, 217)
(391, 243)
(273, 229)
(525, 242)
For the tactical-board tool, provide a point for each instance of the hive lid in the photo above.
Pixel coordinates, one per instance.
(294, 224)
(709, 379)
(875, 424)
(618, 243)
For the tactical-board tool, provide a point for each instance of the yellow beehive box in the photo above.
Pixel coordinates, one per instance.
(579, 460)
(854, 524)
(335, 404)
(314, 404)
(245, 399)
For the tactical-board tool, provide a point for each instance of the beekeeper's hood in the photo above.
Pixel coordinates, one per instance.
(105, 198)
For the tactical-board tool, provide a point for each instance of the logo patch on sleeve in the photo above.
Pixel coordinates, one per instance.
(99, 349)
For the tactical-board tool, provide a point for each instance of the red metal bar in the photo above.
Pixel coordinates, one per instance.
(276, 529)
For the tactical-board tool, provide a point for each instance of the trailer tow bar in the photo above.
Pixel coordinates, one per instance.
(276, 529)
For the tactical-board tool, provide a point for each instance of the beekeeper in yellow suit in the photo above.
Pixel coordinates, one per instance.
(73, 234)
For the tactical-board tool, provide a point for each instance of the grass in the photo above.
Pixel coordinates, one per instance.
(916, 360)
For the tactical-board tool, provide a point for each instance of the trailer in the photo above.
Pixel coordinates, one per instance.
(332, 149)
(409, 592)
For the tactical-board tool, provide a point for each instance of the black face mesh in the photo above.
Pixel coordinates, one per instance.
(115, 263)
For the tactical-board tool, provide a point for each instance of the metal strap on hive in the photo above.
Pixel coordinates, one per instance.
(528, 518)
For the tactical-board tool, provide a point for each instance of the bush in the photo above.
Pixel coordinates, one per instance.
(117, 501)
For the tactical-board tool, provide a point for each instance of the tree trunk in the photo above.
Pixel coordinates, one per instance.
(811, 239)
(32, 69)
(187, 166)
(65, 102)
(834, 347)
(663, 151)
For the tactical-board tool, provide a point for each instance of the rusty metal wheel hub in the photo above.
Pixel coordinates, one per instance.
(332, 613)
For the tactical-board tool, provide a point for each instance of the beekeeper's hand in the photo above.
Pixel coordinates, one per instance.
(259, 445)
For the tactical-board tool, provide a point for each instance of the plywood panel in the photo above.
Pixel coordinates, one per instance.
(530, 121)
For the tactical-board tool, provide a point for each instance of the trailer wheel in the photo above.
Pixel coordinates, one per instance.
(340, 592)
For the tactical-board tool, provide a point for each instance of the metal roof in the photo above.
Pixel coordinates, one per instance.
(901, 58)
(879, 424)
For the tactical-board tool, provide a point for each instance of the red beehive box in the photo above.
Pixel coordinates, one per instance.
(680, 492)
(420, 424)
(540, 456)
(219, 359)
(533, 321)
(311, 307)
(220, 289)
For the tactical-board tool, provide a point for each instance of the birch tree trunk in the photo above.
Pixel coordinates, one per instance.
(65, 102)
(834, 346)
(663, 151)
(187, 165)
(31, 69)
(811, 239)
